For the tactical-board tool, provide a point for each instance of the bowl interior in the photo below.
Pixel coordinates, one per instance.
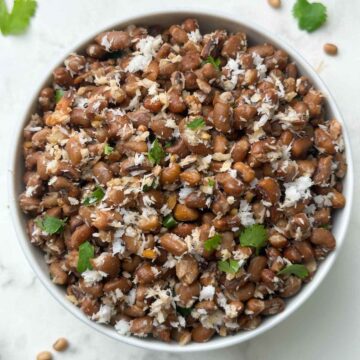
(208, 22)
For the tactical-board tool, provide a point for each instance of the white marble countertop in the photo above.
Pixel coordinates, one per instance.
(326, 327)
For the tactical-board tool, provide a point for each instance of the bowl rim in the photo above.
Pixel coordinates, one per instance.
(296, 302)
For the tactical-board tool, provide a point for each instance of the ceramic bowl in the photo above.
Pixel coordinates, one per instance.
(208, 20)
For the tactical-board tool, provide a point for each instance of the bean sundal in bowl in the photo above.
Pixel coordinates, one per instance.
(182, 183)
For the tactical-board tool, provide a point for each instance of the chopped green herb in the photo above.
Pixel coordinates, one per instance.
(295, 269)
(214, 62)
(50, 224)
(196, 123)
(94, 197)
(147, 187)
(183, 311)
(255, 236)
(59, 93)
(213, 242)
(18, 20)
(310, 16)
(169, 222)
(86, 252)
(211, 182)
(108, 149)
(156, 153)
(230, 266)
(168, 144)
(325, 226)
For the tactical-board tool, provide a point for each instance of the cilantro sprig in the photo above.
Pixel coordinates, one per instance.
(50, 224)
(212, 243)
(298, 270)
(310, 16)
(214, 62)
(86, 252)
(169, 221)
(196, 123)
(108, 149)
(156, 152)
(255, 236)
(230, 266)
(18, 20)
(96, 196)
(59, 93)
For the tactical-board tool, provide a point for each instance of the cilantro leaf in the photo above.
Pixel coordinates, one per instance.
(18, 20)
(211, 182)
(96, 196)
(50, 224)
(169, 222)
(59, 93)
(108, 149)
(156, 152)
(86, 252)
(295, 269)
(255, 236)
(183, 311)
(196, 123)
(230, 266)
(214, 62)
(213, 242)
(310, 15)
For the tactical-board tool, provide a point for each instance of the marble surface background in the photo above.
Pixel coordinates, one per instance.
(326, 327)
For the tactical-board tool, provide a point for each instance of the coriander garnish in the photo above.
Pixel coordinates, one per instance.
(108, 149)
(86, 252)
(196, 123)
(298, 270)
(156, 152)
(230, 266)
(310, 16)
(50, 224)
(96, 196)
(214, 62)
(212, 243)
(255, 236)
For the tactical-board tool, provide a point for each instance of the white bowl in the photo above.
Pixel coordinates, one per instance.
(208, 21)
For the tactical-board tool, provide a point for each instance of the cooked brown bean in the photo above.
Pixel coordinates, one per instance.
(231, 186)
(221, 117)
(323, 237)
(184, 213)
(269, 189)
(240, 150)
(195, 200)
(187, 293)
(202, 334)
(291, 287)
(173, 244)
(191, 177)
(256, 266)
(170, 174)
(113, 40)
(102, 172)
(142, 325)
(81, 234)
(187, 269)
(273, 306)
(145, 274)
(57, 274)
(324, 142)
(107, 263)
